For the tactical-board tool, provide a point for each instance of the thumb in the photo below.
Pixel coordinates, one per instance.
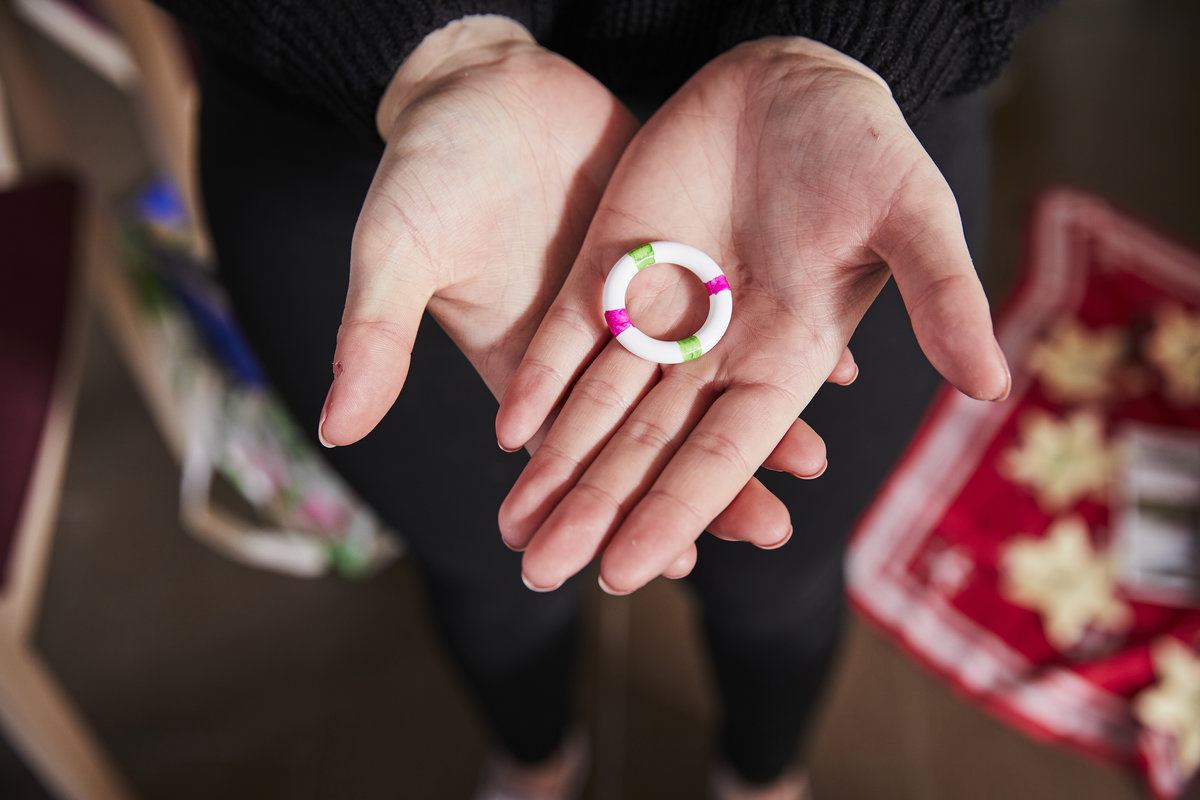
(923, 244)
(374, 349)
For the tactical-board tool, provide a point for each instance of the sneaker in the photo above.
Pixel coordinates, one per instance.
(792, 785)
(562, 777)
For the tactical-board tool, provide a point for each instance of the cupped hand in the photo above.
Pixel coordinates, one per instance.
(792, 166)
(497, 154)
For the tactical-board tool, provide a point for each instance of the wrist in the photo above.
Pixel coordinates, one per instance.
(466, 43)
(788, 50)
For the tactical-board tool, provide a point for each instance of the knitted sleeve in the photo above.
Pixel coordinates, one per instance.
(342, 54)
(924, 49)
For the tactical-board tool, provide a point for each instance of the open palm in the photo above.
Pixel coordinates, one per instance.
(791, 165)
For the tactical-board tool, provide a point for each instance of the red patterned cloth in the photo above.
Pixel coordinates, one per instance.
(989, 554)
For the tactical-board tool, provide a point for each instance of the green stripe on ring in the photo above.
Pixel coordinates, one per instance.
(690, 348)
(642, 256)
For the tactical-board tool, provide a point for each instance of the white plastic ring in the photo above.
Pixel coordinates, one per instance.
(720, 302)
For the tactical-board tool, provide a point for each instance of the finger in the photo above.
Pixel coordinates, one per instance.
(374, 349)
(577, 528)
(573, 333)
(846, 370)
(682, 566)
(756, 516)
(717, 459)
(598, 404)
(923, 244)
(565, 343)
(801, 452)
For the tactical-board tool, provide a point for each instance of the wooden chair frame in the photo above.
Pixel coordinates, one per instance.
(35, 713)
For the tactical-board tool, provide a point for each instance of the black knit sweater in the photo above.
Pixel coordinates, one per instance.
(344, 53)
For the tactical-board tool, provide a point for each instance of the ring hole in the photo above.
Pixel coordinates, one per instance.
(667, 301)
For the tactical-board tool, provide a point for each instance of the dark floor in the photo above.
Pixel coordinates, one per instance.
(206, 680)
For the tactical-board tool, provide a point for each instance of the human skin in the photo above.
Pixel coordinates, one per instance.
(497, 153)
(792, 166)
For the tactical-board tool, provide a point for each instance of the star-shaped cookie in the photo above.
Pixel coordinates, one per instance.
(1172, 705)
(1066, 580)
(1060, 460)
(1174, 347)
(1077, 364)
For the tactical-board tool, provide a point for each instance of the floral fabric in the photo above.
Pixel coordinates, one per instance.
(226, 419)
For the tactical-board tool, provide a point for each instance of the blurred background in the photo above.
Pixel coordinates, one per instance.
(204, 678)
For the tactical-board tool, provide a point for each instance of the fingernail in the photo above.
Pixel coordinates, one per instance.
(608, 589)
(853, 377)
(505, 449)
(531, 587)
(321, 424)
(780, 543)
(824, 467)
(512, 547)
(1007, 376)
(337, 370)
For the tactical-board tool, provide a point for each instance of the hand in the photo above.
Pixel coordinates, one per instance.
(497, 153)
(790, 164)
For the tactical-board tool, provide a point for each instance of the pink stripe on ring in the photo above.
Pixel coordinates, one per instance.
(618, 321)
(718, 284)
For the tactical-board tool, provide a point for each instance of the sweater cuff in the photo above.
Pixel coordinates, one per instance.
(343, 55)
(925, 50)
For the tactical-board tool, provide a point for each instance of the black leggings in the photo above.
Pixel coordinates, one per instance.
(283, 184)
